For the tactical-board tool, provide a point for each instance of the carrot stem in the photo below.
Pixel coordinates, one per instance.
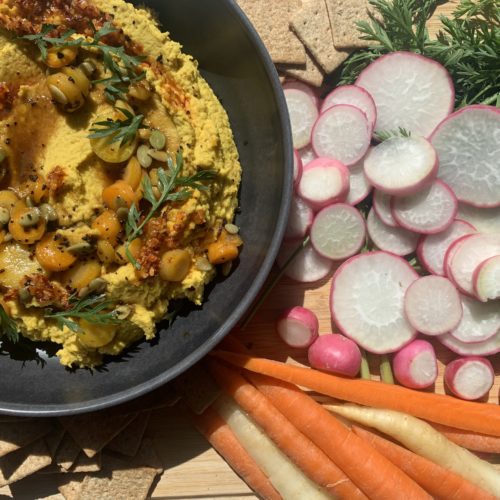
(386, 370)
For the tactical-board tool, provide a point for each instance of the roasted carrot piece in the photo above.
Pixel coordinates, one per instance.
(441, 483)
(478, 417)
(470, 440)
(221, 437)
(306, 455)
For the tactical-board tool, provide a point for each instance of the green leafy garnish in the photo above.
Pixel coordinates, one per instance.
(123, 131)
(94, 309)
(383, 135)
(168, 181)
(8, 326)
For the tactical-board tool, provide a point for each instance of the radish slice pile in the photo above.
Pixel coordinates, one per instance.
(300, 218)
(469, 378)
(367, 298)
(485, 220)
(297, 85)
(487, 348)
(486, 279)
(429, 211)
(338, 231)
(342, 132)
(410, 91)
(382, 207)
(432, 305)
(303, 114)
(401, 165)
(415, 365)
(468, 147)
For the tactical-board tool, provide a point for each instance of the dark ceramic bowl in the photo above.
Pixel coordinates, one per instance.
(234, 61)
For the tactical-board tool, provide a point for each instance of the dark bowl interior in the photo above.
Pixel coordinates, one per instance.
(235, 63)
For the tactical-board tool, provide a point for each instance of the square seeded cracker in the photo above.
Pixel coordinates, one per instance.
(309, 73)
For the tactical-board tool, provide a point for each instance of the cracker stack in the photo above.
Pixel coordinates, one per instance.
(307, 39)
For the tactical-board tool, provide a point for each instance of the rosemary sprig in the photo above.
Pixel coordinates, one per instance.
(383, 135)
(168, 181)
(123, 131)
(94, 309)
(8, 326)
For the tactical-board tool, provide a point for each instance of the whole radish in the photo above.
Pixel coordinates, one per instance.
(469, 378)
(335, 353)
(298, 327)
(415, 365)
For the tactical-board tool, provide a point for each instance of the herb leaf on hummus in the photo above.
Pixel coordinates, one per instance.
(123, 131)
(8, 326)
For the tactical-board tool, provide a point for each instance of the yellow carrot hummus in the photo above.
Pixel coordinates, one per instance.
(118, 176)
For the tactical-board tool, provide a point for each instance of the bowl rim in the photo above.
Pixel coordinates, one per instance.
(47, 410)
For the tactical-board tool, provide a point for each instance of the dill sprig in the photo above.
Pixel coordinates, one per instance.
(383, 135)
(8, 326)
(94, 309)
(123, 131)
(168, 182)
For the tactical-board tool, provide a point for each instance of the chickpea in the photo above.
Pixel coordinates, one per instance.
(174, 265)
(95, 336)
(109, 226)
(106, 252)
(79, 77)
(52, 256)
(133, 173)
(82, 274)
(57, 57)
(119, 194)
(8, 199)
(22, 233)
(65, 91)
(134, 248)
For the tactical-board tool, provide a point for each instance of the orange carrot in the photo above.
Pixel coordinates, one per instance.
(376, 476)
(307, 456)
(221, 437)
(478, 417)
(470, 440)
(441, 483)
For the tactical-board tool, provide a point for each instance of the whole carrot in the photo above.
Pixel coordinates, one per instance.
(221, 437)
(478, 417)
(441, 483)
(306, 455)
(470, 440)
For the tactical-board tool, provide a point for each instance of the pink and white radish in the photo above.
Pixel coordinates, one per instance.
(297, 168)
(432, 305)
(338, 231)
(342, 132)
(382, 207)
(432, 248)
(308, 266)
(324, 181)
(298, 85)
(468, 148)
(300, 218)
(335, 353)
(474, 250)
(307, 155)
(396, 240)
(410, 91)
(485, 220)
(415, 365)
(298, 327)
(303, 114)
(367, 299)
(469, 378)
(486, 279)
(429, 211)
(480, 321)
(450, 253)
(355, 96)
(359, 187)
(401, 165)
(487, 348)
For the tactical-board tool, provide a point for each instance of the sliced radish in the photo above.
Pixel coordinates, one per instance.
(303, 115)
(450, 253)
(382, 207)
(432, 248)
(297, 168)
(355, 96)
(359, 187)
(401, 165)
(432, 305)
(415, 365)
(486, 279)
(366, 301)
(429, 211)
(468, 147)
(300, 218)
(469, 378)
(298, 85)
(474, 250)
(324, 181)
(307, 266)
(298, 327)
(485, 220)
(307, 155)
(342, 132)
(410, 91)
(480, 321)
(396, 240)
(338, 231)
(486, 348)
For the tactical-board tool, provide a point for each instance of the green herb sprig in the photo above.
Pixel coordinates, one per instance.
(168, 181)
(94, 309)
(123, 131)
(383, 135)
(8, 326)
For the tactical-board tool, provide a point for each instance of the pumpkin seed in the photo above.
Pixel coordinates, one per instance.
(30, 218)
(87, 67)
(29, 202)
(202, 264)
(157, 139)
(162, 156)
(48, 212)
(80, 248)
(58, 95)
(97, 285)
(232, 228)
(83, 292)
(8, 237)
(143, 156)
(226, 268)
(122, 213)
(4, 216)
(122, 312)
